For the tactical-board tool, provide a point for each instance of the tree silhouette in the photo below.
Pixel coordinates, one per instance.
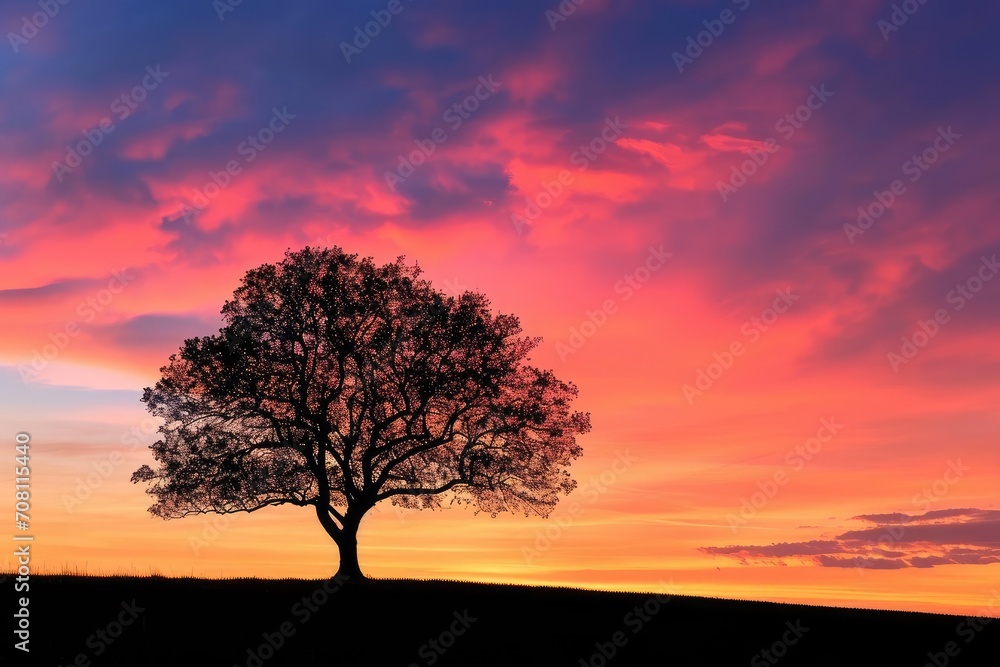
(336, 384)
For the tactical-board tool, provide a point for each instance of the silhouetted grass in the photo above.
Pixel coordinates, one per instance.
(193, 622)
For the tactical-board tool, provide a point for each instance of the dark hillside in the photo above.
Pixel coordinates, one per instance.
(194, 622)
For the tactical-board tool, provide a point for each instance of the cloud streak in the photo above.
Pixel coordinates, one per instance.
(896, 541)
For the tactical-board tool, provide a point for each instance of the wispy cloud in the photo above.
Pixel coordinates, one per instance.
(938, 537)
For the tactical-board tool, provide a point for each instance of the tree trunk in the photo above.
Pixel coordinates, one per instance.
(347, 541)
(346, 538)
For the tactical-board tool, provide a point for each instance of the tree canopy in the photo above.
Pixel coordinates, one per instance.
(336, 384)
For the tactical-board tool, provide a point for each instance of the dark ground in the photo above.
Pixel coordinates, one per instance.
(194, 622)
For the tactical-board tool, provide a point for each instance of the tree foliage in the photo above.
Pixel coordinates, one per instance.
(337, 384)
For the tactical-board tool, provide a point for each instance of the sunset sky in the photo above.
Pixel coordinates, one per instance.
(766, 255)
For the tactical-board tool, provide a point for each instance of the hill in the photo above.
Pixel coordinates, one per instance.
(266, 623)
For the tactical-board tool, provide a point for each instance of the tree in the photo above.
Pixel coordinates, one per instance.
(336, 384)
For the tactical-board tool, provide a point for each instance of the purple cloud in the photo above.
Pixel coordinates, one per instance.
(897, 541)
